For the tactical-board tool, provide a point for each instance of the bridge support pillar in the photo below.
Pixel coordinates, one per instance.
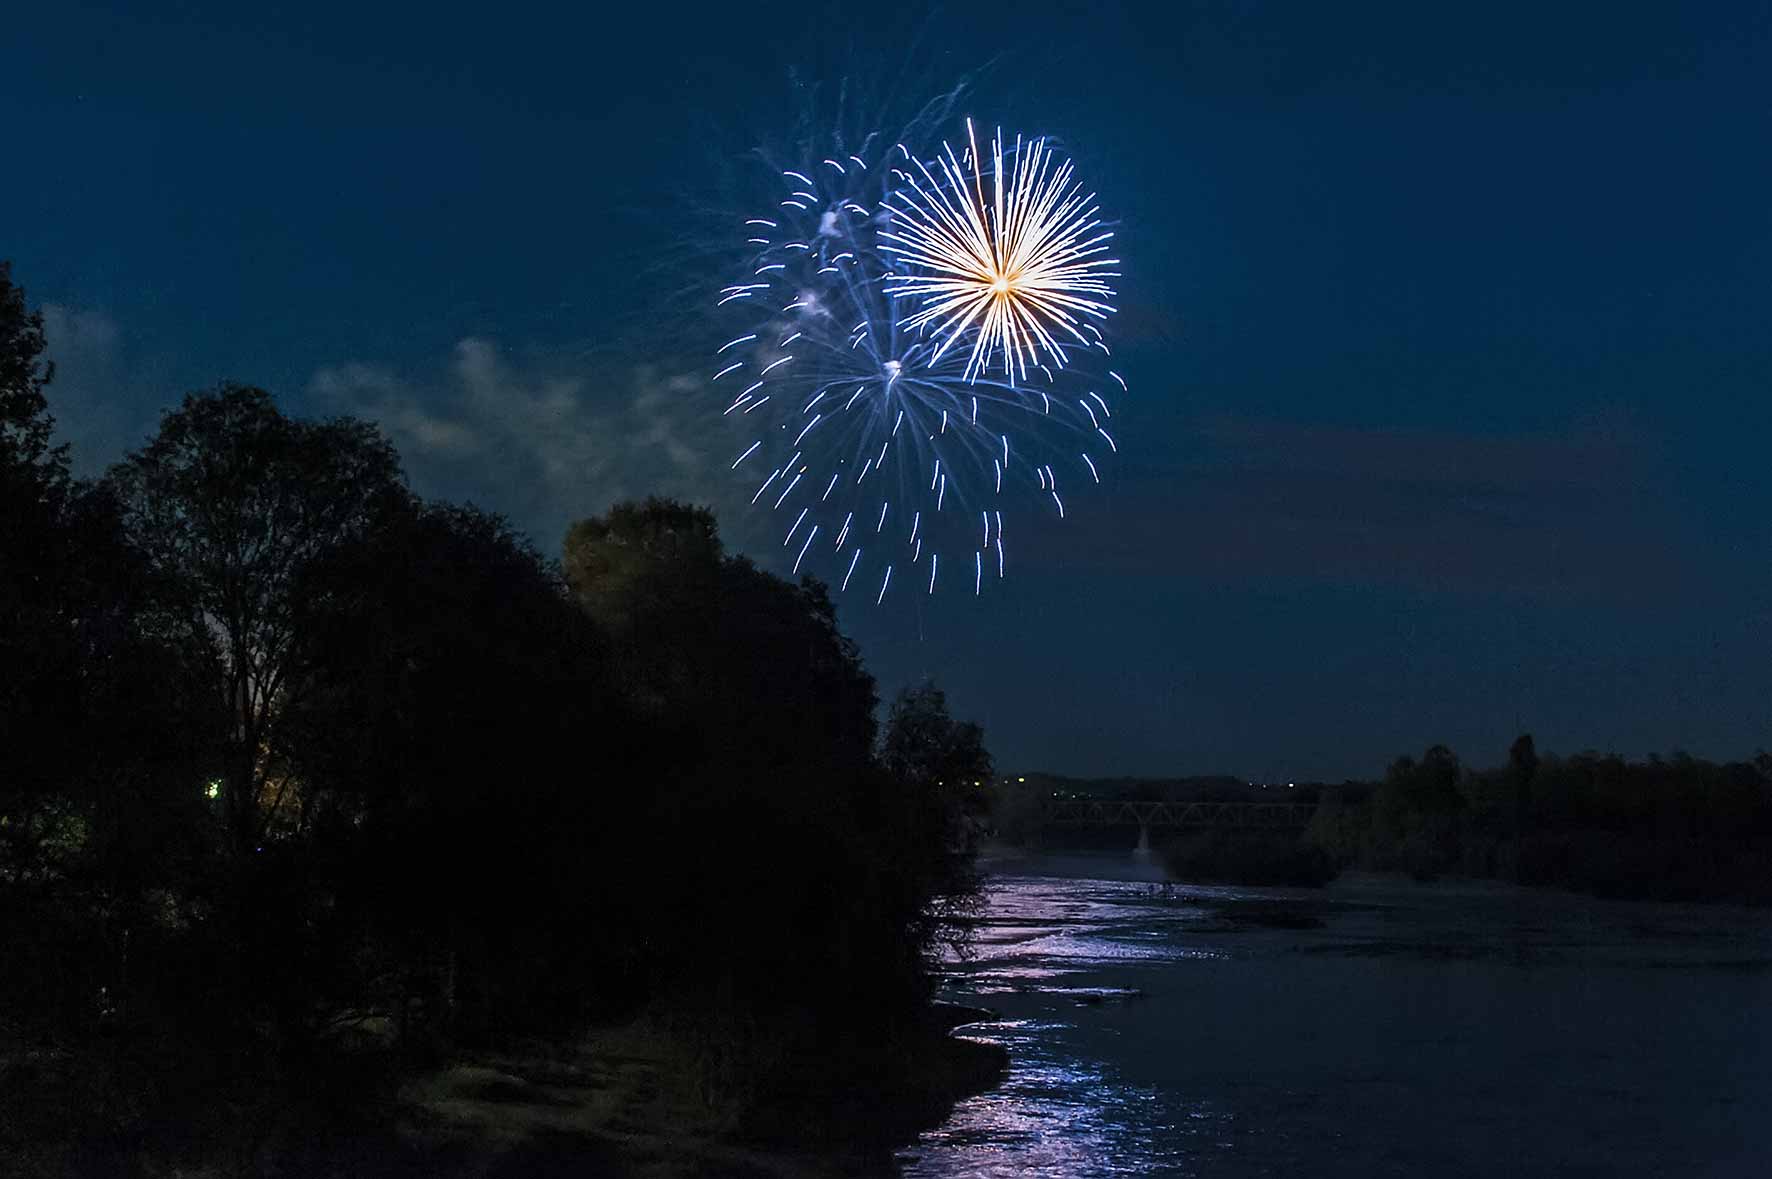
(1144, 839)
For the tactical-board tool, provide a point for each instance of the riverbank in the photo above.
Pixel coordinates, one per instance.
(622, 1100)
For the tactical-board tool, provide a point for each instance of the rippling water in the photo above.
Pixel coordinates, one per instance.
(1372, 1028)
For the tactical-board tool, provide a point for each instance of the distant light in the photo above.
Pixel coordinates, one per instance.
(1021, 779)
(213, 790)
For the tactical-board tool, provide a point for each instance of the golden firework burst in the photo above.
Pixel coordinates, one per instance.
(1018, 272)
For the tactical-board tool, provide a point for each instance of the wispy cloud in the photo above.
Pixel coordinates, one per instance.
(544, 441)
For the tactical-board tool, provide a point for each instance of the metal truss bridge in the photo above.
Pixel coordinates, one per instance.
(1181, 816)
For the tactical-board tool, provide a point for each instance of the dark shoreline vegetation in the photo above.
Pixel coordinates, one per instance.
(1664, 829)
(1254, 860)
(343, 833)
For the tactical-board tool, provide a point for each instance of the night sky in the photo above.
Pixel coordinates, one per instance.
(1449, 334)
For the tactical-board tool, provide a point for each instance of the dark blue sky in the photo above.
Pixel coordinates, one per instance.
(1449, 334)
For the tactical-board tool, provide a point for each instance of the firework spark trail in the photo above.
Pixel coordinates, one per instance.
(884, 378)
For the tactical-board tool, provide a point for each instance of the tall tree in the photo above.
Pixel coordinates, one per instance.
(759, 718)
(100, 761)
(756, 664)
(452, 688)
(229, 504)
(924, 744)
(942, 764)
(25, 423)
(38, 678)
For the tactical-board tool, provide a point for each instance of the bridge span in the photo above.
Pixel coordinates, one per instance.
(1179, 816)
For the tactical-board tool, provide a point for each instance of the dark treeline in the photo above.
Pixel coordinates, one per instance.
(292, 760)
(1675, 828)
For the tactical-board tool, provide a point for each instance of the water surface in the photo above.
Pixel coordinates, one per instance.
(1373, 1028)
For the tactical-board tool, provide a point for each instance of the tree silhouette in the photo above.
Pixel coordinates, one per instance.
(758, 719)
(940, 768)
(25, 422)
(447, 676)
(33, 493)
(752, 670)
(100, 801)
(228, 504)
(924, 745)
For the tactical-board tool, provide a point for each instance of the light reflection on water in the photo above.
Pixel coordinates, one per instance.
(1052, 1117)
(1373, 1028)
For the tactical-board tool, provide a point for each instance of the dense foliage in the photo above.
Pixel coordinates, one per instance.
(295, 761)
(1675, 828)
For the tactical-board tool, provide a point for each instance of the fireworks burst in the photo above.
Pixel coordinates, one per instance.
(1017, 272)
(879, 441)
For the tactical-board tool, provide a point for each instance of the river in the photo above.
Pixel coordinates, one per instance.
(1374, 1028)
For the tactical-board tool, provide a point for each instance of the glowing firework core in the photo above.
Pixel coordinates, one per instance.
(1023, 265)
